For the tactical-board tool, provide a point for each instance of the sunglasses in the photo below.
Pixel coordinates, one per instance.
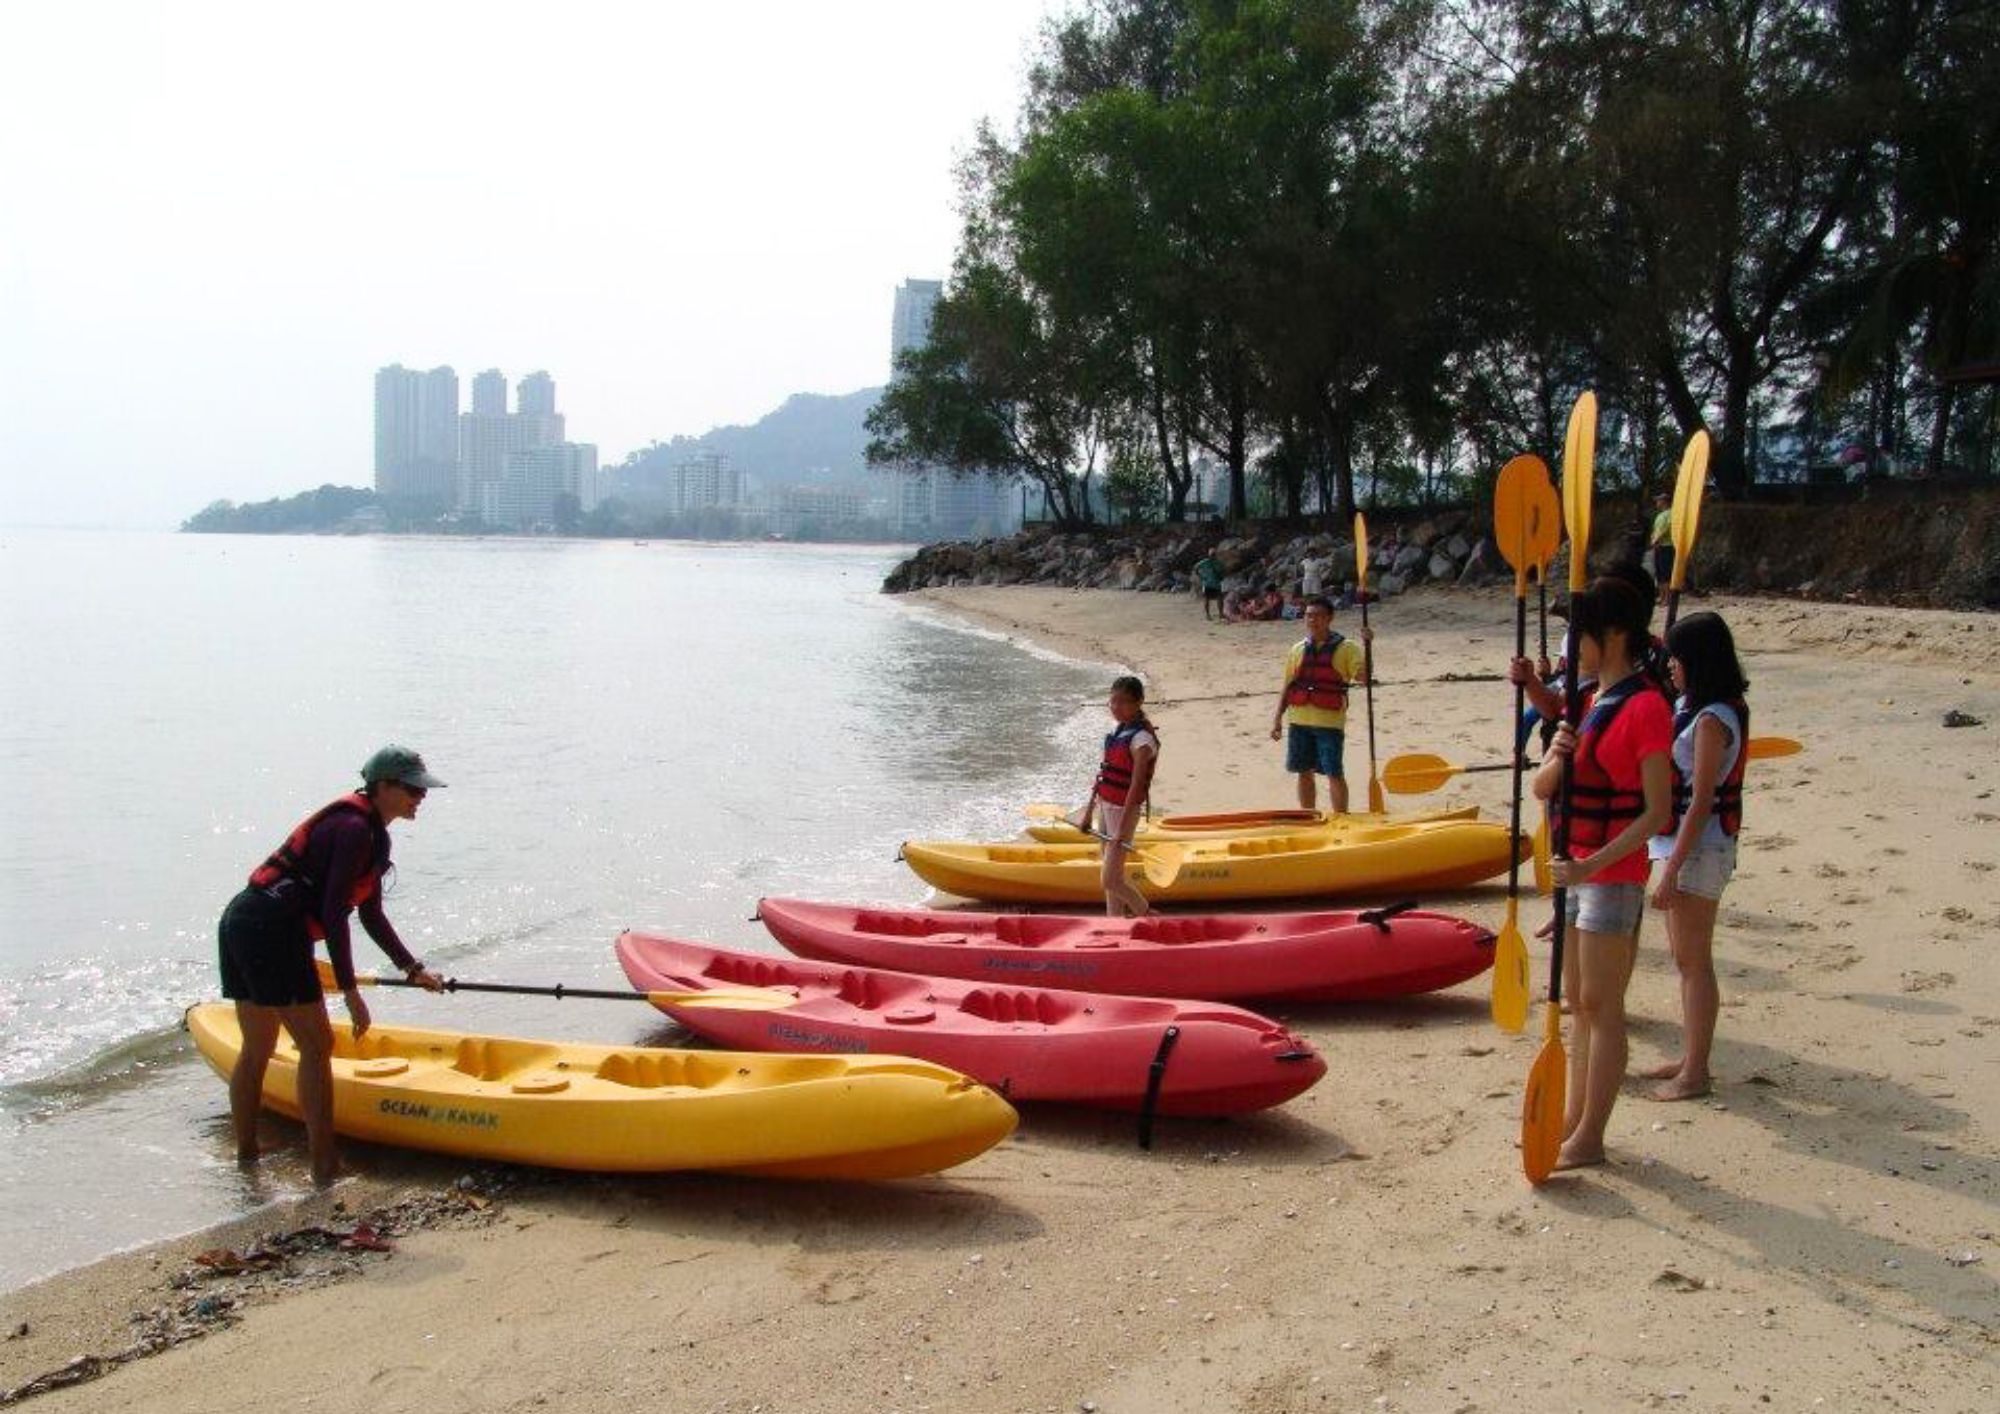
(414, 792)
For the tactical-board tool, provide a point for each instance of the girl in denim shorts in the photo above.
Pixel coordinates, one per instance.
(1697, 856)
(1620, 794)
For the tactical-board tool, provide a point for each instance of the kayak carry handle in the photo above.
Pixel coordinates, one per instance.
(1155, 1073)
(1380, 916)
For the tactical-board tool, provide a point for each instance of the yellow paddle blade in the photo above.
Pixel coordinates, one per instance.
(1515, 508)
(1545, 879)
(1161, 864)
(1418, 773)
(725, 999)
(1377, 804)
(1685, 518)
(1542, 1105)
(1579, 469)
(1546, 526)
(1510, 973)
(1360, 550)
(1763, 748)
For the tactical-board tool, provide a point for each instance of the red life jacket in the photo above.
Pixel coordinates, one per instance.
(287, 861)
(1728, 803)
(1114, 777)
(1318, 683)
(1599, 807)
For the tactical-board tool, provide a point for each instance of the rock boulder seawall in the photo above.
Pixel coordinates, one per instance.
(1940, 551)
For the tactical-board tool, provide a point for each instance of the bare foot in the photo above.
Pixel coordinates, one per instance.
(1680, 1089)
(1573, 1157)
(1666, 1070)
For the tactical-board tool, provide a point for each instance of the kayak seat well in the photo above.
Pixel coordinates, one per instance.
(1025, 930)
(894, 925)
(656, 1070)
(497, 1057)
(1007, 1007)
(750, 972)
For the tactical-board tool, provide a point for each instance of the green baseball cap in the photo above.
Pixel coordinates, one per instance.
(400, 764)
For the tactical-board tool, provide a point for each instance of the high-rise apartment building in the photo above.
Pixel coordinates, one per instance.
(535, 395)
(910, 326)
(932, 502)
(416, 432)
(532, 480)
(489, 393)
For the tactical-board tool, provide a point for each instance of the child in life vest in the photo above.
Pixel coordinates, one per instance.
(1118, 797)
(1621, 795)
(1697, 855)
(1320, 670)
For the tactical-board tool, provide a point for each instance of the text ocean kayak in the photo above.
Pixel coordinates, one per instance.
(1388, 859)
(1048, 823)
(1030, 1043)
(1223, 957)
(632, 1109)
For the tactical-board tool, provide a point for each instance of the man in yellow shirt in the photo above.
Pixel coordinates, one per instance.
(1319, 671)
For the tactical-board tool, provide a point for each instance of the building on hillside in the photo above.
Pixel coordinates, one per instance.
(801, 508)
(702, 481)
(416, 432)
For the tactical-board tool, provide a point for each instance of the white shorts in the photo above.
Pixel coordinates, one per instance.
(1707, 872)
(1109, 819)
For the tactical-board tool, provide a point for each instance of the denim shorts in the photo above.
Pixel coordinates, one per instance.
(1607, 908)
(1707, 872)
(1314, 749)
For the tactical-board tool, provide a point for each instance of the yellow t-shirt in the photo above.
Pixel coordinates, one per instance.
(1348, 661)
(1663, 528)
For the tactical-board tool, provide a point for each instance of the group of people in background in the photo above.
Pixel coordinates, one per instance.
(1656, 792)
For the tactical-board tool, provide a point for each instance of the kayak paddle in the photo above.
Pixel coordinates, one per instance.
(1420, 772)
(730, 999)
(1514, 517)
(1161, 864)
(1685, 518)
(1375, 801)
(1544, 1103)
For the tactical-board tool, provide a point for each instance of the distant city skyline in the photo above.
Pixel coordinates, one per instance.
(713, 217)
(504, 468)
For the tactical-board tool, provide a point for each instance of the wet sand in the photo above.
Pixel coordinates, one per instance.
(1820, 1233)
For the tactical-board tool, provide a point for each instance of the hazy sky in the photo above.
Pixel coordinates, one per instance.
(217, 220)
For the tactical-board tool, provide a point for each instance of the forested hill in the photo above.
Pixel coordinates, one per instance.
(812, 437)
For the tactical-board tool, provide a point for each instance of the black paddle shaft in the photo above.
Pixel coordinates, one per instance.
(1368, 679)
(1515, 752)
(452, 984)
(1572, 710)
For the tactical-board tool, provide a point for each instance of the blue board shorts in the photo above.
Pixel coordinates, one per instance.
(1314, 749)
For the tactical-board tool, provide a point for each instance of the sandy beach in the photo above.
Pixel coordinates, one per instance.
(1823, 1232)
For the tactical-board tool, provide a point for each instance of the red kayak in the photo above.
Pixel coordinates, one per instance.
(1351, 956)
(1029, 1043)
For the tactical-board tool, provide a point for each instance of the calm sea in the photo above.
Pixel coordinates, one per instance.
(634, 734)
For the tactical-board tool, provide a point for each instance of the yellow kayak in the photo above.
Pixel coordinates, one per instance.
(1050, 824)
(630, 1109)
(1441, 854)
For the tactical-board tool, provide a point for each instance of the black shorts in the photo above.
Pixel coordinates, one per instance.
(266, 952)
(1215, 594)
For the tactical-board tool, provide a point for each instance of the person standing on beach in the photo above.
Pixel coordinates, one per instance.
(331, 865)
(1698, 854)
(1312, 708)
(1208, 572)
(1661, 540)
(1621, 795)
(1312, 575)
(1118, 796)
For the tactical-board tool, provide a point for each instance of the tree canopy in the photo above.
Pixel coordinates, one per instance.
(1345, 246)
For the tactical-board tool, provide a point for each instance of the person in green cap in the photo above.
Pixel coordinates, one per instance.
(331, 865)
